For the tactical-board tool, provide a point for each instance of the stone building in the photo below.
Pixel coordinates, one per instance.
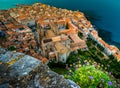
(56, 41)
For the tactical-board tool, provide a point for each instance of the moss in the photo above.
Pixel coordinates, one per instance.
(14, 60)
(0, 62)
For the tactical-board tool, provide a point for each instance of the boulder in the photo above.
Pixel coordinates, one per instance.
(18, 70)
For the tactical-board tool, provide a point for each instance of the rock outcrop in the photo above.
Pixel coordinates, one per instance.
(18, 70)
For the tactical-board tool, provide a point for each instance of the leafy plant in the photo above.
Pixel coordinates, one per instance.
(90, 77)
(12, 48)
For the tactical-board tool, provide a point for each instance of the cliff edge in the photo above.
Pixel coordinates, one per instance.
(18, 70)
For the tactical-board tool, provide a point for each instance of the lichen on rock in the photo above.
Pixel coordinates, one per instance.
(28, 72)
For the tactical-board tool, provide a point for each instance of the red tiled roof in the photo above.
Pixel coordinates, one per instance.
(117, 56)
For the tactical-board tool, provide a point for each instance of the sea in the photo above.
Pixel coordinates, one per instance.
(104, 14)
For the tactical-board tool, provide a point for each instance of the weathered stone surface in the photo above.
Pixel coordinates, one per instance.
(9, 56)
(73, 84)
(23, 66)
(22, 71)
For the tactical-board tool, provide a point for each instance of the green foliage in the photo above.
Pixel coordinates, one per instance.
(67, 26)
(100, 54)
(54, 64)
(80, 34)
(95, 57)
(72, 59)
(12, 48)
(113, 67)
(58, 67)
(59, 70)
(100, 47)
(90, 77)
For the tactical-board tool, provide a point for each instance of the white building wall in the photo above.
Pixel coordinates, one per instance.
(63, 58)
(106, 50)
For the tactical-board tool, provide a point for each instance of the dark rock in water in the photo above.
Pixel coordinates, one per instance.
(23, 71)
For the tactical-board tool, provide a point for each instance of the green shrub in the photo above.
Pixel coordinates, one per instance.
(12, 48)
(72, 58)
(80, 34)
(67, 26)
(100, 47)
(90, 77)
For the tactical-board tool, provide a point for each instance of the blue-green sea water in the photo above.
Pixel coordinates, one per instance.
(107, 13)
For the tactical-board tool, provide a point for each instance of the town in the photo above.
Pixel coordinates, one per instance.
(48, 33)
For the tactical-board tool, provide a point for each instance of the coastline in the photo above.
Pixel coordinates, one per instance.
(87, 31)
(53, 37)
(93, 18)
(92, 11)
(107, 35)
(104, 34)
